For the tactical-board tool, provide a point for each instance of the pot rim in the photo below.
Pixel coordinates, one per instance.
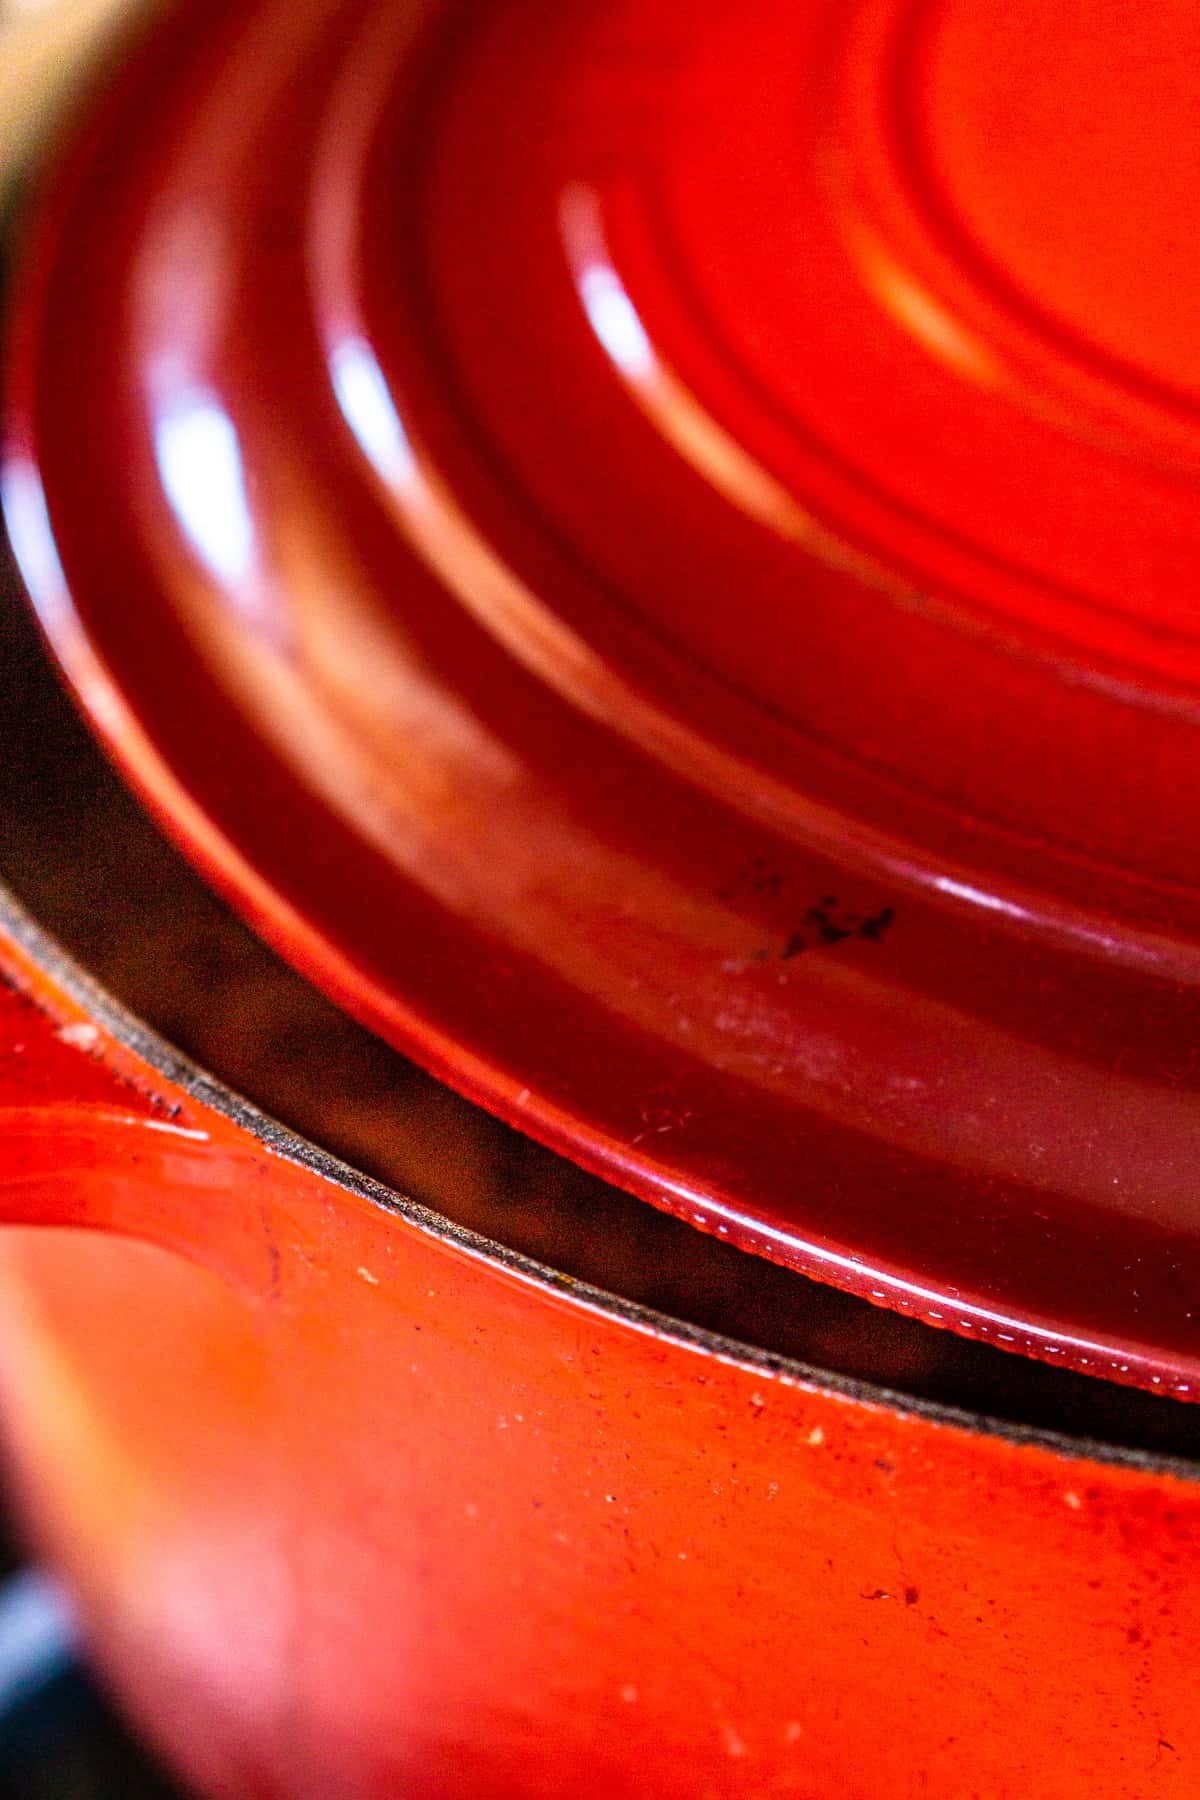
(204, 1089)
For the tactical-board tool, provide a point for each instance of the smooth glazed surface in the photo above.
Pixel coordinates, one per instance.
(652, 550)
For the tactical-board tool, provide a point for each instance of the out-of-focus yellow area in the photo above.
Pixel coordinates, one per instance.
(43, 44)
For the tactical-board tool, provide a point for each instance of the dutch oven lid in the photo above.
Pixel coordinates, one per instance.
(653, 549)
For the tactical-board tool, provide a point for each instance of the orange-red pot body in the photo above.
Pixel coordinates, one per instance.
(358, 1509)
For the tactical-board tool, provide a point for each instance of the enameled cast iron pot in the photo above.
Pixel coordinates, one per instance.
(359, 1502)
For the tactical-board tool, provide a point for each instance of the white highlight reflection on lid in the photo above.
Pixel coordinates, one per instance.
(200, 465)
(613, 317)
(370, 412)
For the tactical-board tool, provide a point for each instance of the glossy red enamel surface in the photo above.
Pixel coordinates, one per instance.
(653, 550)
(355, 1509)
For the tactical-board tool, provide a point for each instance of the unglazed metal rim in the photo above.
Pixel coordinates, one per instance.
(132, 1034)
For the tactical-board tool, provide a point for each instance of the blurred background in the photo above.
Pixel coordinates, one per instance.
(59, 1739)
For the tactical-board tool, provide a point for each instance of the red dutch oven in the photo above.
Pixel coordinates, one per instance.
(649, 552)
